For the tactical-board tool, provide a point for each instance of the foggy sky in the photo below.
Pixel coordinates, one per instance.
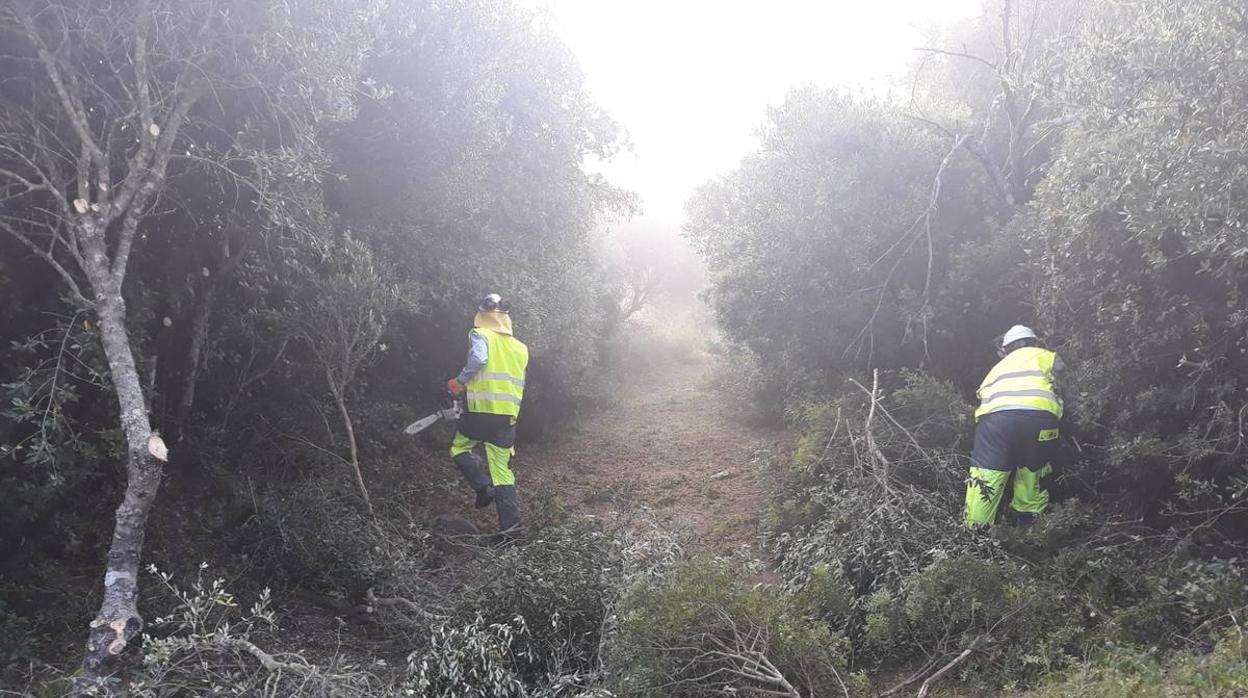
(691, 79)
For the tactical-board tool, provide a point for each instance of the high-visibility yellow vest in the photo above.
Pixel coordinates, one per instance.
(1022, 380)
(498, 387)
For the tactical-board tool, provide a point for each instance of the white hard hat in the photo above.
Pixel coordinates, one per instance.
(1016, 333)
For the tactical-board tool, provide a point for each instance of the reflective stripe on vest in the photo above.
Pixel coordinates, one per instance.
(498, 388)
(485, 375)
(1023, 380)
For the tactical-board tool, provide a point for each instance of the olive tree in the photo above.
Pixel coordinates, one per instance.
(821, 247)
(337, 312)
(101, 104)
(1140, 238)
(466, 177)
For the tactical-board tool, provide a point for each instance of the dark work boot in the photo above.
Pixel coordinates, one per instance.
(507, 501)
(470, 467)
(1024, 519)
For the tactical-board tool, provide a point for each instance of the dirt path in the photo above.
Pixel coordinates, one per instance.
(668, 445)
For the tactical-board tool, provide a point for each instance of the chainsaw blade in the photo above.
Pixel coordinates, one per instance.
(450, 414)
(422, 424)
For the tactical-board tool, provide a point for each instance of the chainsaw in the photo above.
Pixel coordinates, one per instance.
(452, 408)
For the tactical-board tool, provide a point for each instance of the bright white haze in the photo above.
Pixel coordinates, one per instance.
(690, 80)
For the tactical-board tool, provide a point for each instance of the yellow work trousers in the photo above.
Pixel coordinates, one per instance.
(497, 457)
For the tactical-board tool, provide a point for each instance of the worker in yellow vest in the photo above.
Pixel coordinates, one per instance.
(492, 387)
(1016, 430)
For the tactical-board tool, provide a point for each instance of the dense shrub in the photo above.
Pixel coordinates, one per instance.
(558, 593)
(467, 177)
(752, 386)
(875, 500)
(524, 619)
(1130, 259)
(474, 660)
(867, 531)
(1015, 619)
(704, 632)
(862, 235)
(559, 586)
(1137, 237)
(451, 165)
(1118, 672)
(816, 262)
(531, 618)
(316, 534)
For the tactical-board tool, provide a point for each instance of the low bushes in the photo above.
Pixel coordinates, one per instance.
(537, 615)
(317, 534)
(208, 643)
(1132, 673)
(703, 632)
(866, 495)
(867, 532)
(528, 618)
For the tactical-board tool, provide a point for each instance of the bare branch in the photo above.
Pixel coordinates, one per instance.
(72, 107)
(398, 602)
(137, 191)
(29, 185)
(953, 664)
(959, 54)
(75, 292)
(920, 227)
(266, 660)
(911, 680)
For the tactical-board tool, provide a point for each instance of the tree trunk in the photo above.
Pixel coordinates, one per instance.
(194, 357)
(118, 621)
(200, 324)
(355, 455)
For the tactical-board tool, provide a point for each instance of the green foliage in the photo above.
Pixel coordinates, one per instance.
(876, 512)
(359, 177)
(316, 535)
(688, 636)
(827, 595)
(1137, 234)
(934, 411)
(754, 386)
(19, 641)
(56, 368)
(475, 660)
(350, 179)
(49, 447)
(206, 644)
(338, 302)
(1129, 258)
(466, 177)
(967, 601)
(817, 262)
(479, 660)
(1119, 672)
(868, 535)
(558, 586)
(557, 593)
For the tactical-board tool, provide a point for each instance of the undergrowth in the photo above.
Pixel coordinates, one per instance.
(1121, 672)
(867, 527)
(529, 618)
(877, 576)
